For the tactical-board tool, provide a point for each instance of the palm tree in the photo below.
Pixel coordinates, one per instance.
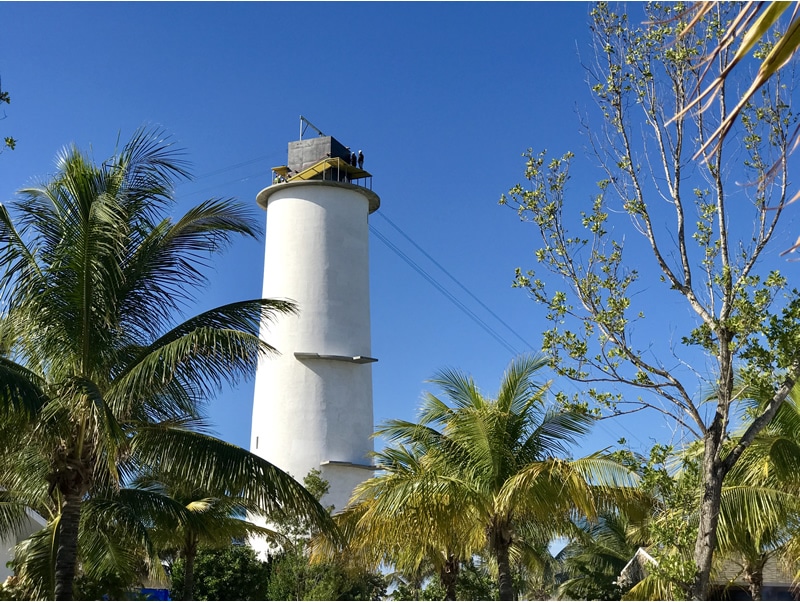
(595, 557)
(502, 464)
(187, 518)
(384, 525)
(99, 374)
(760, 508)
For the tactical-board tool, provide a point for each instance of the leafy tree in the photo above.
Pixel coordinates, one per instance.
(473, 582)
(594, 558)
(755, 514)
(99, 381)
(642, 77)
(231, 573)
(295, 578)
(296, 575)
(671, 485)
(500, 462)
(109, 587)
(752, 25)
(5, 98)
(293, 529)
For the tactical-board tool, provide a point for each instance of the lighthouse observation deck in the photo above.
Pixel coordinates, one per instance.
(323, 158)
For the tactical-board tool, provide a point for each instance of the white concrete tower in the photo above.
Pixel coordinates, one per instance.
(313, 402)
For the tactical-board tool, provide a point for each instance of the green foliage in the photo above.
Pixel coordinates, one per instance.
(232, 573)
(109, 587)
(15, 588)
(5, 98)
(481, 476)
(432, 590)
(673, 529)
(99, 381)
(294, 578)
(676, 196)
(474, 582)
(295, 528)
(592, 562)
(640, 63)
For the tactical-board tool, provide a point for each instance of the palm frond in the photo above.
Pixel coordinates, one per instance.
(15, 515)
(221, 467)
(754, 518)
(192, 360)
(164, 268)
(150, 163)
(20, 389)
(34, 560)
(517, 386)
(655, 587)
(556, 431)
(460, 388)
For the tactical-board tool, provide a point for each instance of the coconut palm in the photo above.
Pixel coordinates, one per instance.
(595, 556)
(188, 518)
(760, 510)
(385, 525)
(502, 464)
(98, 380)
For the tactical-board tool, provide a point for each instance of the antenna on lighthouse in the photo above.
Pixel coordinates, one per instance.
(305, 124)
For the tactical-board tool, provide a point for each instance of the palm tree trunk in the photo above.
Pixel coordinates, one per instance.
(67, 552)
(504, 582)
(449, 577)
(755, 577)
(189, 554)
(500, 542)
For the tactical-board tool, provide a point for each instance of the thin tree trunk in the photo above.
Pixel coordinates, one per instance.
(449, 577)
(706, 542)
(707, 535)
(67, 552)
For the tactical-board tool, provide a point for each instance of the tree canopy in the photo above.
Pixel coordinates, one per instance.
(99, 380)
(704, 233)
(480, 475)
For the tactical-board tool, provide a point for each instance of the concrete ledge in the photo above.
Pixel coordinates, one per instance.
(354, 359)
(374, 200)
(348, 465)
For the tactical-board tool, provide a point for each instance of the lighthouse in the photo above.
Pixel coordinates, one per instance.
(312, 407)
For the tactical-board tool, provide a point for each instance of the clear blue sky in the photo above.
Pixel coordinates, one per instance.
(442, 97)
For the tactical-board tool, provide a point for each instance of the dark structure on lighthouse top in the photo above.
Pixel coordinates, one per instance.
(322, 158)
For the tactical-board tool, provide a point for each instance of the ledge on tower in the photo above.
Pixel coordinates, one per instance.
(323, 158)
(348, 464)
(353, 359)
